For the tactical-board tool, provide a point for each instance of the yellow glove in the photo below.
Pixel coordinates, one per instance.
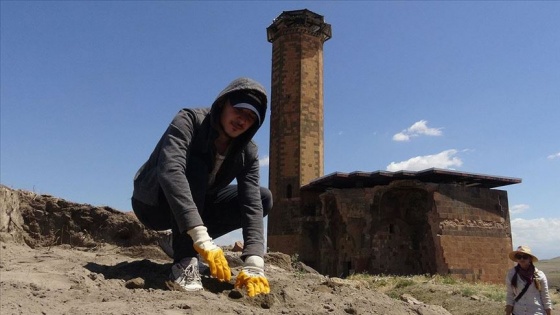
(252, 277)
(212, 254)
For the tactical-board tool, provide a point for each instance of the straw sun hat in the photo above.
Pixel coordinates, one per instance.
(522, 250)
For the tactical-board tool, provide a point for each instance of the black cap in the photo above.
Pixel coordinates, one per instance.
(246, 100)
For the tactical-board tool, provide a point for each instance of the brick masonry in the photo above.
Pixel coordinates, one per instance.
(405, 227)
(408, 227)
(296, 132)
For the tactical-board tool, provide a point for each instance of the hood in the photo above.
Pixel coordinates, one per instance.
(240, 85)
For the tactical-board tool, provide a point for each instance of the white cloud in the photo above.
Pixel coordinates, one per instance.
(445, 160)
(417, 129)
(401, 137)
(264, 161)
(554, 156)
(520, 208)
(541, 235)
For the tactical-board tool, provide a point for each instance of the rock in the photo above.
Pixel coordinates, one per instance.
(11, 220)
(136, 283)
(410, 300)
(237, 247)
(305, 268)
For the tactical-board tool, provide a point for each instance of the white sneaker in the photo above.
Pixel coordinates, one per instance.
(185, 274)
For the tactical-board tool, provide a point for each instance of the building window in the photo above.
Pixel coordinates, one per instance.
(289, 191)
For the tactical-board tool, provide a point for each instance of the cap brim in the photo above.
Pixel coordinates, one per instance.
(251, 108)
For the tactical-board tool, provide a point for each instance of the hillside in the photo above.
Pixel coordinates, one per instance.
(59, 257)
(551, 268)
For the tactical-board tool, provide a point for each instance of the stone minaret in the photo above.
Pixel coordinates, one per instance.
(296, 127)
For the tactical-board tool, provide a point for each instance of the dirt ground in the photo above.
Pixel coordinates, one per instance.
(59, 257)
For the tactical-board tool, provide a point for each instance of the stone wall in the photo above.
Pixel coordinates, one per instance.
(284, 231)
(409, 227)
(474, 232)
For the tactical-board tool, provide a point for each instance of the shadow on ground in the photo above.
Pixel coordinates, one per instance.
(155, 275)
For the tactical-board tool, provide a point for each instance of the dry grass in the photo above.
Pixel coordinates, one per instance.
(551, 267)
(458, 297)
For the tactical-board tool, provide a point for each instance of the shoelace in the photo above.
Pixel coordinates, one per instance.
(191, 273)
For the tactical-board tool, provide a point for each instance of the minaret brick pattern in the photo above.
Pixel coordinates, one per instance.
(296, 134)
(296, 127)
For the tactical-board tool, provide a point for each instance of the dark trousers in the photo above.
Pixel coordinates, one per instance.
(221, 215)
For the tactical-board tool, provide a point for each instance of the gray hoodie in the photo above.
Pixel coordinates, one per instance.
(178, 168)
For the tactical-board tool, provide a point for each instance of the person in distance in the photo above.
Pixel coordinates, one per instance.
(527, 287)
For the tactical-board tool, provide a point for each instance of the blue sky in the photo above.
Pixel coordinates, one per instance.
(88, 87)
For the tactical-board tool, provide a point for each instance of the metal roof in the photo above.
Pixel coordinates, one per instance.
(432, 175)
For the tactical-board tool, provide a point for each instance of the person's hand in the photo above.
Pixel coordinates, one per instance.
(252, 277)
(211, 253)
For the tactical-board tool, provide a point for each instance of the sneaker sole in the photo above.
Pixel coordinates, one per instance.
(174, 286)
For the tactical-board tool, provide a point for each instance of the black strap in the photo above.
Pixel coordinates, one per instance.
(522, 291)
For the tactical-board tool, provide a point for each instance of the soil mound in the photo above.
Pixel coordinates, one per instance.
(59, 257)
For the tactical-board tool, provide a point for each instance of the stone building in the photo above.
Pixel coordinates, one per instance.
(433, 221)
